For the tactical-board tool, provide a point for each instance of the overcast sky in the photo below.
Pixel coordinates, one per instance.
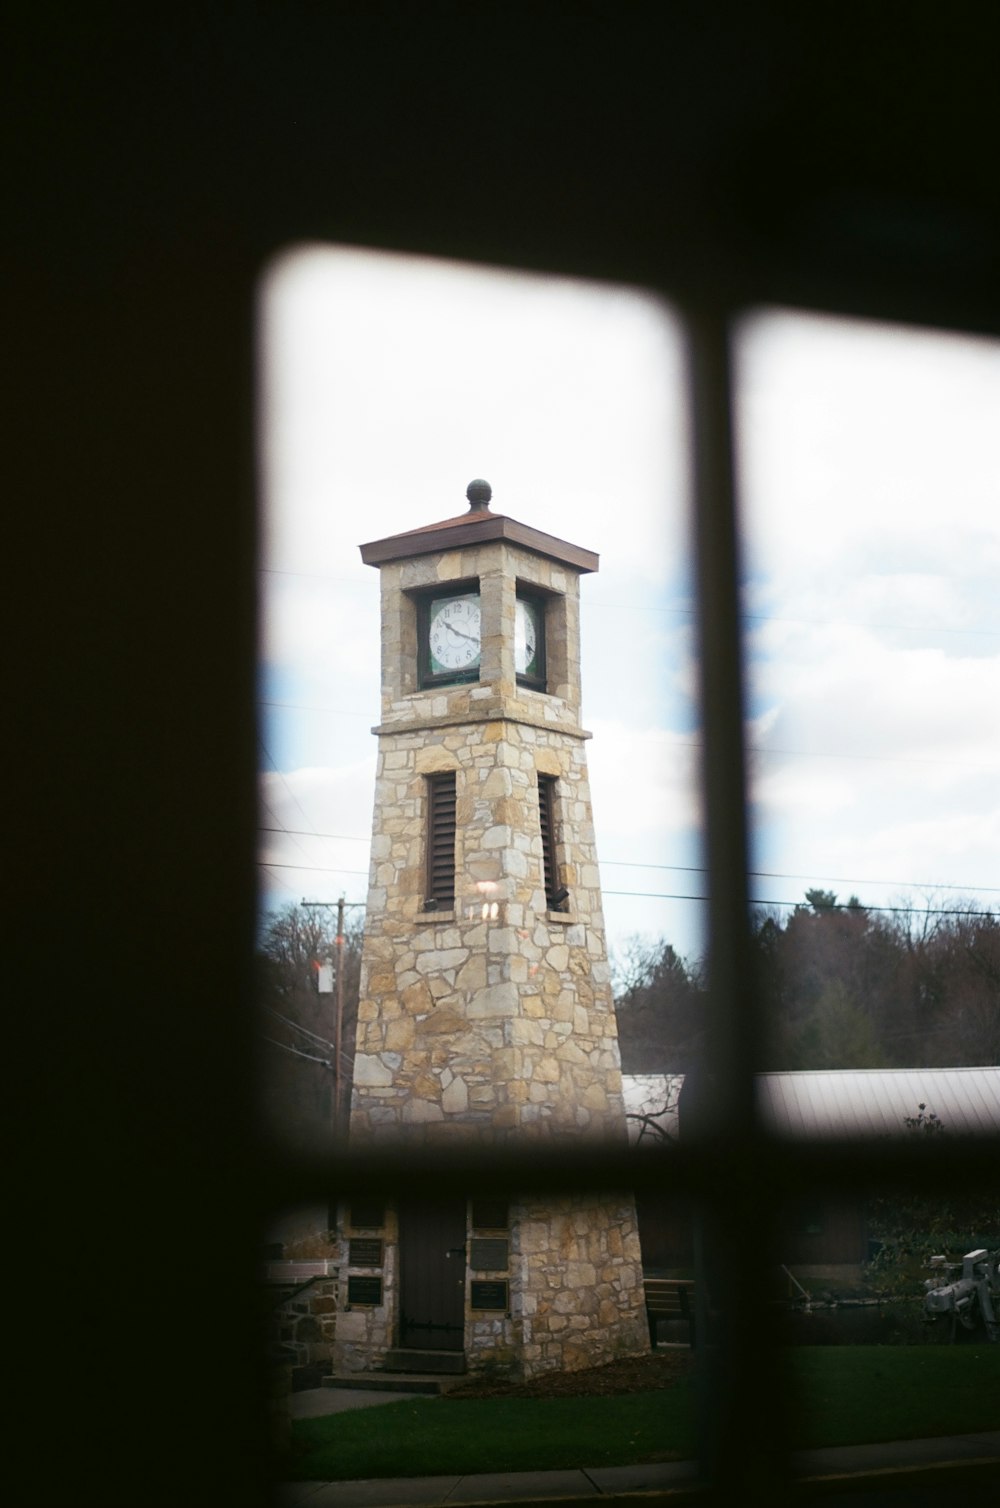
(871, 494)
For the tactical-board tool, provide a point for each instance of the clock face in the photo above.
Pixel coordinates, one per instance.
(453, 634)
(527, 637)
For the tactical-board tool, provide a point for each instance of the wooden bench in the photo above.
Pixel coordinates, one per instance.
(669, 1298)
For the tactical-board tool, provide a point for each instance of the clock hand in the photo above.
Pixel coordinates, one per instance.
(473, 638)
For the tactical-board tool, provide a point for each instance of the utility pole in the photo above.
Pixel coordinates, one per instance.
(338, 1074)
(338, 1023)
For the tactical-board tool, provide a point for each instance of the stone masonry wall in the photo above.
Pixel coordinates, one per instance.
(304, 1322)
(481, 1027)
(498, 569)
(580, 1283)
(494, 1022)
(494, 1019)
(366, 1332)
(575, 1283)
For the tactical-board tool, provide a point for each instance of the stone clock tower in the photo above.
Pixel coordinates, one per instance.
(486, 1013)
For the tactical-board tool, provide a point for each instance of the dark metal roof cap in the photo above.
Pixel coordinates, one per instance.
(479, 494)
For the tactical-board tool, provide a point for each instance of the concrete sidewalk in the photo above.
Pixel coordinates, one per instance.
(315, 1402)
(924, 1468)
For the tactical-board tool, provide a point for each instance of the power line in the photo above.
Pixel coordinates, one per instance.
(295, 1051)
(685, 611)
(771, 874)
(318, 868)
(298, 831)
(361, 586)
(307, 707)
(297, 1027)
(754, 874)
(287, 831)
(888, 628)
(281, 777)
(687, 743)
(889, 910)
(767, 874)
(662, 895)
(657, 895)
(292, 889)
(961, 764)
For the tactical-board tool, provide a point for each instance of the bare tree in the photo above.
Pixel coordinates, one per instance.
(297, 958)
(655, 1121)
(659, 1003)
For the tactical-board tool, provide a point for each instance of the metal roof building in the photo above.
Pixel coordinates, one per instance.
(878, 1101)
(832, 1103)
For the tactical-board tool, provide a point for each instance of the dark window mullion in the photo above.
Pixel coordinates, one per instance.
(743, 1377)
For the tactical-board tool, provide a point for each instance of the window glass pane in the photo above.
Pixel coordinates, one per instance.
(554, 653)
(387, 384)
(868, 476)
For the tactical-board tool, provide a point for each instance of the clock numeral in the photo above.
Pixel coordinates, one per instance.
(454, 635)
(525, 637)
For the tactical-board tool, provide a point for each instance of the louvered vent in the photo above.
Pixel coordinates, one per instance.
(441, 839)
(546, 822)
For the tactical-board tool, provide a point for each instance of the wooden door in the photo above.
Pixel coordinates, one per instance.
(432, 1275)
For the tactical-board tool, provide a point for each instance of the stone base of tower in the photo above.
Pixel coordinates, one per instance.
(508, 1290)
(580, 1299)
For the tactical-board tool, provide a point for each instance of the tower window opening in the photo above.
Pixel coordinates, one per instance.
(440, 891)
(555, 895)
(449, 630)
(529, 640)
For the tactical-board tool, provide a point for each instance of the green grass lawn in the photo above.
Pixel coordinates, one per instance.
(847, 1395)
(437, 1436)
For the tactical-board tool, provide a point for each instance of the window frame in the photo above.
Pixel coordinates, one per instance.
(538, 680)
(735, 1175)
(138, 351)
(428, 679)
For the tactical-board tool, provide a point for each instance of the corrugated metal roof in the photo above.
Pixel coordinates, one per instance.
(877, 1101)
(850, 1101)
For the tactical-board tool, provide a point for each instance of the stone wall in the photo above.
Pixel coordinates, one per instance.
(498, 568)
(304, 1322)
(484, 1026)
(495, 1018)
(366, 1332)
(574, 1276)
(580, 1289)
(493, 1022)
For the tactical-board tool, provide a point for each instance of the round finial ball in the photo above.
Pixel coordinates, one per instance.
(479, 493)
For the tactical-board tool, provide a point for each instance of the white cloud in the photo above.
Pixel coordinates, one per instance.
(324, 819)
(871, 508)
(390, 382)
(322, 629)
(643, 784)
(864, 446)
(930, 851)
(840, 690)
